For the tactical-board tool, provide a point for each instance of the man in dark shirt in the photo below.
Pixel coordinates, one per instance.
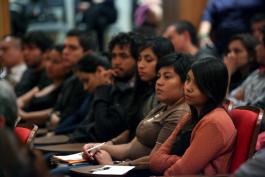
(35, 48)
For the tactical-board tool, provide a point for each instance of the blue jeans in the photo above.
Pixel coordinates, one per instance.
(65, 168)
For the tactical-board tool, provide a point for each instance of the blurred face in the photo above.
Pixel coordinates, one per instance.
(260, 51)
(237, 53)
(55, 66)
(32, 55)
(178, 40)
(123, 64)
(256, 29)
(193, 95)
(89, 80)
(169, 87)
(146, 65)
(72, 51)
(10, 53)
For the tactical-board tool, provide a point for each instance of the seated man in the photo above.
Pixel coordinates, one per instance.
(184, 38)
(35, 47)
(13, 60)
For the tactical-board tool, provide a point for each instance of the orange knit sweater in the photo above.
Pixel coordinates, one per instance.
(210, 150)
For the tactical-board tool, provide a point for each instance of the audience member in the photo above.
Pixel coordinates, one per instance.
(12, 57)
(240, 58)
(35, 48)
(183, 35)
(203, 141)
(257, 22)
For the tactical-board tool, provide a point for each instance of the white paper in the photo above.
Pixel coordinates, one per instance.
(113, 170)
(77, 156)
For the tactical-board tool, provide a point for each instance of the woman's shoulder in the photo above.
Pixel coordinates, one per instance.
(219, 119)
(216, 113)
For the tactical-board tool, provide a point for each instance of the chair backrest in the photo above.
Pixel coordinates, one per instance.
(247, 120)
(26, 134)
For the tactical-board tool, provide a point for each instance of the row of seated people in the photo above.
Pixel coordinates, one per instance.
(117, 109)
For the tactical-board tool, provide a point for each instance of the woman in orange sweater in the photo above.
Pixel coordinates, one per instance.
(203, 142)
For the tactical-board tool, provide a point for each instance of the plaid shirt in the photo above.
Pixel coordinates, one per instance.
(253, 88)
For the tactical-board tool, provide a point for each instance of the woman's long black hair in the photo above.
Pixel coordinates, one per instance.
(143, 90)
(211, 76)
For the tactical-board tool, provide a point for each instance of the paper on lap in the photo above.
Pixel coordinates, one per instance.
(77, 157)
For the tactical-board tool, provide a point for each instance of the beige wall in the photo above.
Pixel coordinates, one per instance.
(191, 10)
(4, 18)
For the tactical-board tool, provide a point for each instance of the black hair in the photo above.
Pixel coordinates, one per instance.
(38, 39)
(249, 42)
(183, 25)
(179, 61)
(131, 39)
(160, 46)
(211, 76)
(259, 17)
(89, 63)
(86, 40)
(145, 30)
(263, 33)
(58, 47)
